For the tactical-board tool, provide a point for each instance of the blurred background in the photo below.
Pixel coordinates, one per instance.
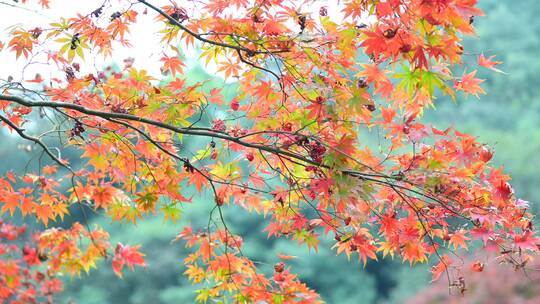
(507, 118)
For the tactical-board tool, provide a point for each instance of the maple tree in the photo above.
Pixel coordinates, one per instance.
(312, 78)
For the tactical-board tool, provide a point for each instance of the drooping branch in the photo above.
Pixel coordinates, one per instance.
(35, 140)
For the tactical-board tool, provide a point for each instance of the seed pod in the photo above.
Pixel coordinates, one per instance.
(405, 48)
(279, 267)
(302, 22)
(75, 41)
(180, 14)
(116, 15)
(361, 83)
(219, 201)
(42, 256)
(390, 33)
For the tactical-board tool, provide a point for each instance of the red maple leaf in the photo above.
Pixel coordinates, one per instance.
(126, 255)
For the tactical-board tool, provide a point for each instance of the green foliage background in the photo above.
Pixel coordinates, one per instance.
(507, 118)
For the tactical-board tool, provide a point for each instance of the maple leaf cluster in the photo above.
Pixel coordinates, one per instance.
(22, 277)
(219, 260)
(310, 85)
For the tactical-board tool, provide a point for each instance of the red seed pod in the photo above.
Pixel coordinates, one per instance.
(405, 48)
(486, 154)
(279, 267)
(39, 276)
(180, 14)
(257, 18)
(219, 125)
(219, 201)
(36, 32)
(460, 49)
(371, 107)
(477, 267)
(406, 129)
(235, 105)
(287, 127)
(390, 33)
(361, 83)
(42, 182)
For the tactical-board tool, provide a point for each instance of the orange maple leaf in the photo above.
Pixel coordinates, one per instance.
(172, 64)
(469, 84)
(198, 179)
(441, 267)
(45, 3)
(458, 239)
(102, 196)
(44, 213)
(287, 257)
(126, 255)
(488, 63)
(11, 202)
(27, 206)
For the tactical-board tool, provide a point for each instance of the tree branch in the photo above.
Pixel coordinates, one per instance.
(206, 40)
(186, 131)
(35, 140)
(378, 178)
